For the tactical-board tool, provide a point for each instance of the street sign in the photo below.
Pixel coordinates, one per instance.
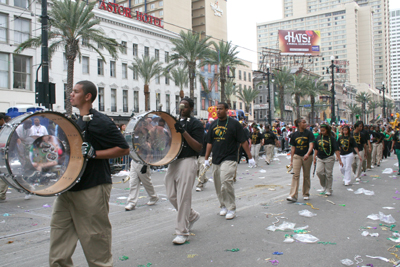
(307, 106)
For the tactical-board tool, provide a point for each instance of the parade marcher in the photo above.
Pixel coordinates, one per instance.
(387, 141)
(140, 173)
(243, 153)
(284, 139)
(269, 140)
(203, 178)
(223, 140)
(377, 146)
(361, 140)
(302, 142)
(367, 159)
(347, 146)
(396, 147)
(38, 130)
(256, 143)
(81, 213)
(326, 147)
(181, 174)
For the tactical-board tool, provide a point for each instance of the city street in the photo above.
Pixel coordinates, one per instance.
(145, 235)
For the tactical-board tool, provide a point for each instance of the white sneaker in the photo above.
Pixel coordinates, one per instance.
(223, 211)
(28, 196)
(346, 184)
(230, 215)
(130, 206)
(289, 198)
(328, 193)
(358, 179)
(153, 202)
(306, 198)
(198, 189)
(191, 223)
(180, 239)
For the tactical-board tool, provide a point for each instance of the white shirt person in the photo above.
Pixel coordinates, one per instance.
(38, 130)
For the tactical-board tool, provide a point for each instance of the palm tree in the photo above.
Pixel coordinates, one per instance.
(314, 88)
(297, 88)
(147, 68)
(189, 48)
(373, 105)
(353, 110)
(223, 55)
(282, 79)
(181, 78)
(363, 98)
(247, 95)
(231, 89)
(72, 25)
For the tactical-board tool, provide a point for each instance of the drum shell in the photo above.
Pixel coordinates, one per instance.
(176, 138)
(73, 169)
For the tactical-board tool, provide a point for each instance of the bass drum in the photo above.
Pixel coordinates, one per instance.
(152, 138)
(40, 153)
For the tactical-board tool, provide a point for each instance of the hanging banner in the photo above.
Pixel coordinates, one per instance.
(299, 42)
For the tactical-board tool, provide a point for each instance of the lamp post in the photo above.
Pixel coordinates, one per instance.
(333, 66)
(384, 104)
(269, 94)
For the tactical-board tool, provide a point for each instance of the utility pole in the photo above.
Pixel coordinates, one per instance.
(45, 57)
(332, 66)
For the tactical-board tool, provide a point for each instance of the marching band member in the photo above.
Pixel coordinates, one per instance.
(256, 142)
(268, 141)
(361, 140)
(326, 148)
(203, 178)
(181, 174)
(224, 137)
(347, 146)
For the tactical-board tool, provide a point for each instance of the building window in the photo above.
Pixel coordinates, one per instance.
(260, 99)
(244, 75)
(135, 50)
(124, 71)
(101, 98)
(249, 77)
(100, 67)
(167, 80)
(4, 70)
(85, 65)
(152, 6)
(112, 69)
(157, 101)
(234, 105)
(157, 54)
(203, 103)
(157, 79)
(124, 47)
(240, 74)
(161, 13)
(195, 106)
(85, 42)
(3, 27)
(136, 101)
(135, 75)
(146, 51)
(22, 72)
(21, 30)
(240, 105)
(113, 100)
(161, 3)
(65, 62)
(166, 57)
(125, 100)
(21, 3)
(167, 103)
(177, 104)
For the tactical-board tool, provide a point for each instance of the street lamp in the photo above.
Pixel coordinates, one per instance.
(333, 66)
(269, 95)
(384, 104)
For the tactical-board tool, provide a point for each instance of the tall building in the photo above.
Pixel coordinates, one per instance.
(395, 53)
(380, 27)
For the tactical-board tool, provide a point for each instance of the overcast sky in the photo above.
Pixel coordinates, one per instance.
(243, 17)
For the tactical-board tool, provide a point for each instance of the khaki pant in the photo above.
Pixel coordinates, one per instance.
(134, 183)
(357, 164)
(369, 158)
(83, 216)
(376, 153)
(179, 182)
(298, 163)
(269, 152)
(255, 152)
(203, 179)
(3, 189)
(325, 171)
(223, 181)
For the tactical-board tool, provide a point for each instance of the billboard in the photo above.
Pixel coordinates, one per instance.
(299, 42)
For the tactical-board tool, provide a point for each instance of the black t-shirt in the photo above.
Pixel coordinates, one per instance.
(346, 145)
(301, 141)
(196, 130)
(326, 146)
(103, 134)
(246, 133)
(203, 150)
(269, 138)
(225, 137)
(396, 139)
(256, 138)
(360, 139)
(377, 137)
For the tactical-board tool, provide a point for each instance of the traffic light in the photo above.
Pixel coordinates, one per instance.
(391, 115)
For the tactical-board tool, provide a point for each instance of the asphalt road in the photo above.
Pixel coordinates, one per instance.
(145, 234)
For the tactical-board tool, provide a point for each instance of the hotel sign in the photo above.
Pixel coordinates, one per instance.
(126, 11)
(217, 11)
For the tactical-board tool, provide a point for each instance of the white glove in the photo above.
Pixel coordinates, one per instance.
(207, 163)
(252, 163)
